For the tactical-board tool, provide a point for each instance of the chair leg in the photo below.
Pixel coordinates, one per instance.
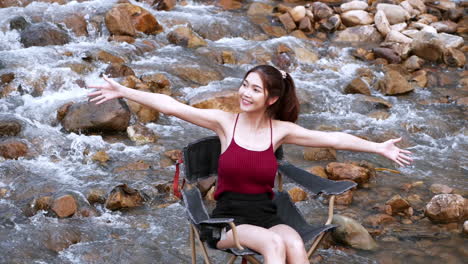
(205, 253)
(192, 245)
(329, 220)
(252, 259)
(232, 259)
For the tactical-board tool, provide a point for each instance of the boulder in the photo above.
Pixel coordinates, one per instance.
(356, 17)
(330, 24)
(359, 34)
(447, 208)
(64, 206)
(420, 77)
(450, 41)
(399, 27)
(428, 46)
(287, 22)
(115, 70)
(358, 85)
(413, 63)
(345, 198)
(321, 10)
(345, 171)
(407, 6)
(43, 34)
(394, 83)
(101, 156)
(141, 135)
(112, 115)
(316, 154)
(77, 23)
(9, 127)
(259, 9)
(319, 171)
(126, 19)
(381, 23)
(184, 36)
(306, 25)
(305, 55)
(96, 196)
(394, 13)
(198, 75)
(353, 5)
(123, 196)
(454, 58)
(418, 5)
(13, 149)
(297, 194)
(18, 23)
(352, 233)
(226, 101)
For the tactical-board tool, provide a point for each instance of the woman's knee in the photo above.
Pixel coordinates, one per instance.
(276, 244)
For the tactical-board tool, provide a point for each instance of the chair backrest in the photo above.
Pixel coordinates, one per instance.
(201, 158)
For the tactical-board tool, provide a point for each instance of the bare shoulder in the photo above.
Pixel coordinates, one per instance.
(282, 130)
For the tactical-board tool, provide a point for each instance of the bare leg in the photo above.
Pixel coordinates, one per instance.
(260, 239)
(295, 249)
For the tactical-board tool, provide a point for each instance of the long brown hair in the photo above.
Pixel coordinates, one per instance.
(286, 108)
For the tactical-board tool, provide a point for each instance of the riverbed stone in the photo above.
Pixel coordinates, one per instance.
(115, 70)
(394, 83)
(316, 154)
(141, 135)
(259, 9)
(319, 171)
(419, 5)
(43, 34)
(420, 78)
(379, 219)
(381, 23)
(437, 188)
(9, 127)
(447, 208)
(352, 233)
(13, 149)
(184, 36)
(413, 63)
(346, 171)
(165, 5)
(394, 13)
(366, 33)
(321, 10)
(123, 196)
(388, 54)
(356, 17)
(358, 85)
(111, 116)
(287, 22)
(64, 206)
(226, 101)
(329, 24)
(445, 26)
(19, 23)
(397, 204)
(198, 75)
(298, 13)
(395, 36)
(345, 198)
(354, 5)
(127, 19)
(77, 23)
(454, 58)
(96, 196)
(101, 156)
(297, 194)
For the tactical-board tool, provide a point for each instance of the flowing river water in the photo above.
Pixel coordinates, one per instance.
(433, 129)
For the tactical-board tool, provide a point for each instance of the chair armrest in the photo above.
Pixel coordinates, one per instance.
(313, 183)
(218, 221)
(211, 228)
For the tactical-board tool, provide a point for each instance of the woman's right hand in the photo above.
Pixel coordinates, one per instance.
(107, 91)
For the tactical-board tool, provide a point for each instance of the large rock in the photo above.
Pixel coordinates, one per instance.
(419, 5)
(123, 196)
(346, 171)
(13, 149)
(359, 86)
(112, 115)
(165, 5)
(198, 75)
(413, 63)
(394, 83)
(9, 127)
(397, 204)
(352, 233)
(445, 26)
(381, 23)
(127, 19)
(321, 10)
(428, 46)
(359, 34)
(43, 34)
(394, 13)
(454, 58)
(298, 13)
(259, 9)
(226, 101)
(395, 36)
(316, 154)
(19, 23)
(447, 208)
(450, 41)
(386, 53)
(64, 206)
(354, 5)
(115, 70)
(184, 36)
(77, 23)
(141, 135)
(356, 17)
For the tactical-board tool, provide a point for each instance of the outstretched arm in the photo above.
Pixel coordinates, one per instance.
(208, 118)
(298, 135)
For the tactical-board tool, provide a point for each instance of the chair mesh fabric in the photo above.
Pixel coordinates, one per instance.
(314, 183)
(201, 159)
(194, 204)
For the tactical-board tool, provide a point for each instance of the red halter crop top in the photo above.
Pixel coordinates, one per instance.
(246, 171)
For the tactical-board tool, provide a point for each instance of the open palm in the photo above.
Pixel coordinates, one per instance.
(105, 92)
(392, 152)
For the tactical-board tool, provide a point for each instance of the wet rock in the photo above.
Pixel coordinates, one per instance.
(359, 34)
(454, 58)
(354, 5)
(379, 115)
(445, 26)
(259, 9)
(115, 70)
(330, 24)
(3, 192)
(134, 166)
(101, 156)
(230, 4)
(378, 219)
(316, 154)
(141, 135)
(418, 5)
(13, 149)
(344, 171)
(184, 36)
(107, 57)
(450, 41)
(59, 239)
(394, 83)
(64, 206)
(357, 86)
(157, 83)
(127, 19)
(144, 113)
(381, 23)
(413, 63)
(112, 115)
(226, 101)
(399, 27)
(447, 208)
(356, 17)
(394, 13)
(297, 194)
(120, 38)
(388, 54)
(319, 171)
(395, 36)
(43, 203)
(198, 75)
(77, 23)
(287, 21)
(43, 34)
(440, 188)
(345, 198)
(62, 110)
(9, 127)
(420, 77)
(19, 23)
(165, 5)
(352, 233)
(96, 196)
(397, 204)
(321, 10)
(123, 196)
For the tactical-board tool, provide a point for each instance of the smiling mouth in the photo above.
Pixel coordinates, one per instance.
(245, 102)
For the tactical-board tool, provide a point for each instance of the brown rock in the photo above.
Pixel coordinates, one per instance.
(420, 77)
(298, 13)
(440, 188)
(321, 10)
(165, 5)
(316, 154)
(101, 156)
(297, 194)
(306, 25)
(447, 208)
(77, 23)
(378, 219)
(344, 171)
(108, 57)
(174, 155)
(43, 203)
(226, 101)
(13, 149)
(428, 46)
(115, 70)
(330, 24)
(454, 58)
(3, 192)
(390, 55)
(319, 171)
(135, 166)
(394, 83)
(43, 34)
(96, 196)
(228, 57)
(184, 36)
(287, 21)
(398, 204)
(413, 63)
(359, 34)
(259, 9)
(230, 4)
(127, 19)
(122, 38)
(359, 86)
(157, 83)
(445, 26)
(145, 22)
(345, 198)
(9, 128)
(123, 196)
(64, 206)
(59, 238)
(141, 135)
(465, 227)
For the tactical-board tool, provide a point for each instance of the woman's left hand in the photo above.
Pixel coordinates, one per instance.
(392, 152)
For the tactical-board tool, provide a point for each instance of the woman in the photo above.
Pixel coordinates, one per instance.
(247, 164)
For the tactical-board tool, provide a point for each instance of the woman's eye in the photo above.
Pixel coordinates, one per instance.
(257, 90)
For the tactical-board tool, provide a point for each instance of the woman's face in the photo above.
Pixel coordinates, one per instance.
(252, 95)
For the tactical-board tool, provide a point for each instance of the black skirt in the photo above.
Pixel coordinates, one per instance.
(253, 209)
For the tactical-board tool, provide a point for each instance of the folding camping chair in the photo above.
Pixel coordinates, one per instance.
(201, 167)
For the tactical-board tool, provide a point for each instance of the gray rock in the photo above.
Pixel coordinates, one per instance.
(43, 34)
(19, 23)
(352, 233)
(359, 34)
